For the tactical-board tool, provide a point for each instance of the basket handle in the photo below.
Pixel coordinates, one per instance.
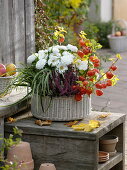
(114, 25)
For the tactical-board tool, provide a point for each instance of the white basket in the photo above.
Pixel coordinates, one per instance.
(4, 83)
(60, 108)
(118, 44)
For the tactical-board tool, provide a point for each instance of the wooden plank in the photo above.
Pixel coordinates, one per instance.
(59, 129)
(29, 25)
(1, 30)
(17, 36)
(120, 9)
(4, 32)
(11, 22)
(19, 31)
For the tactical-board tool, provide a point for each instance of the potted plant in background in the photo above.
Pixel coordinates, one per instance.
(62, 78)
(118, 38)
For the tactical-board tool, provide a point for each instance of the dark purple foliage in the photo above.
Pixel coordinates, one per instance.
(61, 85)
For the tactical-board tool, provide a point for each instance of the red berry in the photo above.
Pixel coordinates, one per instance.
(99, 92)
(82, 90)
(96, 61)
(85, 83)
(74, 87)
(89, 91)
(99, 86)
(91, 73)
(96, 70)
(91, 79)
(91, 58)
(109, 83)
(61, 39)
(81, 43)
(86, 50)
(81, 78)
(104, 86)
(78, 97)
(96, 64)
(80, 53)
(113, 68)
(109, 75)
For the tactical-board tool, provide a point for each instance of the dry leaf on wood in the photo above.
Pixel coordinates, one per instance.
(103, 116)
(69, 124)
(11, 120)
(43, 123)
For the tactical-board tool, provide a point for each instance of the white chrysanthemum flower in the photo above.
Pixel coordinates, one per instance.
(31, 58)
(55, 50)
(66, 59)
(69, 54)
(53, 60)
(40, 64)
(82, 65)
(72, 48)
(61, 68)
(45, 51)
(62, 47)
(42, 54)
(66, 53)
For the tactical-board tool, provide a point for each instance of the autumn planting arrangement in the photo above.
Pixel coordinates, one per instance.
(66, 71)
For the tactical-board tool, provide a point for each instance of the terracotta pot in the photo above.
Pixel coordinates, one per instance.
(21, 153)
(108, 143)
(47, 166)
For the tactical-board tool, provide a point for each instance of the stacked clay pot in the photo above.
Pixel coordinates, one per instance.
(47, 166)
(21, 154)
(108, 144)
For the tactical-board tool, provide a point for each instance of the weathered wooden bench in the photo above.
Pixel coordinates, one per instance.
(69, 149)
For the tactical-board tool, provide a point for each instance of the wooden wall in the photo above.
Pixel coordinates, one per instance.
(17, 37)
(120, 9)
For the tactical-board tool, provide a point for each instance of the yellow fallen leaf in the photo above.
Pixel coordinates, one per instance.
(88, 128)
(103, 115)
(81, 126)
(94, 123)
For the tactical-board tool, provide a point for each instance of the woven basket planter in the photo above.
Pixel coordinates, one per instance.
(4, 83)
(60, 108)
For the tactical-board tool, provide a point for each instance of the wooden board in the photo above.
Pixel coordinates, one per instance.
(120, 9)
(17, 40)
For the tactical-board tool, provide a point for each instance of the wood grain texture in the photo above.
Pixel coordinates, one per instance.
(19, 31)
(30, 31)
(16, 30)
(4, 31)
